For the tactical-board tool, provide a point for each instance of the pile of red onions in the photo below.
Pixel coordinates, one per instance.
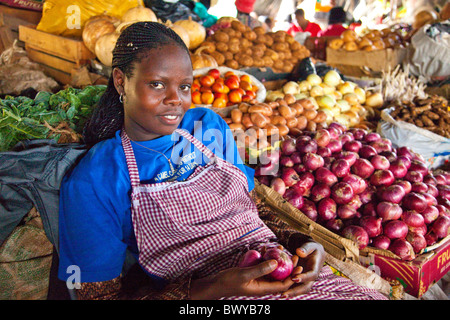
(356, 184)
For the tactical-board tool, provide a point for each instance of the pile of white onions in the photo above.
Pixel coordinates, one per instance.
(356, 184)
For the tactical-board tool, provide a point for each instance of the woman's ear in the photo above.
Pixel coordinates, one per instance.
(119, 80)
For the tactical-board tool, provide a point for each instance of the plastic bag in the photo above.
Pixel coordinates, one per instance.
(434, 148)
(429, 57)
(172, 11)
(68, 18)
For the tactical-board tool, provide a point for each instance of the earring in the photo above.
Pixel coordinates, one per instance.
(120, 97)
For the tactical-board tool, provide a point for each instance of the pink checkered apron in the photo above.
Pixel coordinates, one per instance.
(204, 224)
(180, 226)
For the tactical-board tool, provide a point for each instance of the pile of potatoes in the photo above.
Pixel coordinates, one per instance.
(239, 46)
(370, 41)
(255, 124)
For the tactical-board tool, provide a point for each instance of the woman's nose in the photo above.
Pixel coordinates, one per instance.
(173, 97)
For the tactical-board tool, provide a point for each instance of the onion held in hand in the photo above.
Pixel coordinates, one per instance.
(250, 258)
(285, 265)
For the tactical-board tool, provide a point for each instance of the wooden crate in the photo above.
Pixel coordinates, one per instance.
(60, 57)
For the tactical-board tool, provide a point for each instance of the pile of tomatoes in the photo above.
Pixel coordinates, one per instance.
(224, 90)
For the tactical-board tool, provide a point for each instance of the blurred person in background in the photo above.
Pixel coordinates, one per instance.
(336, 19)
(301, 24)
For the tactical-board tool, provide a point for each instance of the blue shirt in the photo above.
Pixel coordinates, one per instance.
(95, 226)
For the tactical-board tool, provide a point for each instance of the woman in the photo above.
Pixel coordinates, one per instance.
(151, 187)
(337, 17)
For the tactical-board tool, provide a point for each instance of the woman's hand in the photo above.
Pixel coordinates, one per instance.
(237, 281)
(311, 259)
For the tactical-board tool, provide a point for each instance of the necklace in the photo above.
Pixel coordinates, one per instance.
(172, 169)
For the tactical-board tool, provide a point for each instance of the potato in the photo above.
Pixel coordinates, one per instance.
(236, 115)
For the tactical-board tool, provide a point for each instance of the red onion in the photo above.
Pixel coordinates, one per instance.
(406, 185)
(430, 179)
(398, 169)
(441, 227)
(405, 151)
(286, 161)
(413, 176)
(362, 168)
(285, 265)
(322, 137)
(358, 133)
(346, 137)
(349, 156)
(443, 201)
(442, 210)
(395, 229)
(430, 199)
(431, 238)
(305, 183)
(357, 234)
(299, 168)
(334, 225)
(422, 230)
(389, 211)
(387, 141)
(381, 242)
(340, 168)
(278, 185)
(296, 157)
(433, 190)
(352, 145)
(403, 249)
(413, 218)
(312, 161)
(367, 151)
(250, 258)
(336, 125)
(294, 198)
(393, 193)
(430, 214)
(380, 146)
(390, 155)
(371, 137)
(417, 241)
(415, 201)
(334, 132)
(444, 191)
(303, 146)
(380, 162)
(341, 192)
(335, 145)
(309, 209)
(319, 191)
(326, 209)
(367, 195)
(269, 169)
(357, 183)
(265, 180)
(369, 209)
(327, 161)
(355, 202)
(323, 151)
(419, 187)
(404, 160)
(324, 175)
(419, 167)
(288, 146)
(382, 178)
(270, 156)
(372, 225)
(289, 176)
(346, 211)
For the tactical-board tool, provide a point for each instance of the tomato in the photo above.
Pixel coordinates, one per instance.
(214, 73)
(219, 103)
(207, 97)
(235, 96)
(251, 94)
(246, 77)
(245, 85)
(207, 80)
(197, 97)
(232, 82)
(218, 87)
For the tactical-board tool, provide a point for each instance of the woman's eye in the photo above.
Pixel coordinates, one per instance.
(186, 87)
(157, 85)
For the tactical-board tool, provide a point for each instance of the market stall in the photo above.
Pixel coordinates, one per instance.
(349, 136)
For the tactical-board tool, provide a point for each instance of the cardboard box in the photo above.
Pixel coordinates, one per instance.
(60, 57)
(379, 60)
(416, 276)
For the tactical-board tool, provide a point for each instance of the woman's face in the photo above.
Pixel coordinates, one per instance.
(158, 94)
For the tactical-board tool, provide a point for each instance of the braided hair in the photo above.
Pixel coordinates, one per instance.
(131, 47)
